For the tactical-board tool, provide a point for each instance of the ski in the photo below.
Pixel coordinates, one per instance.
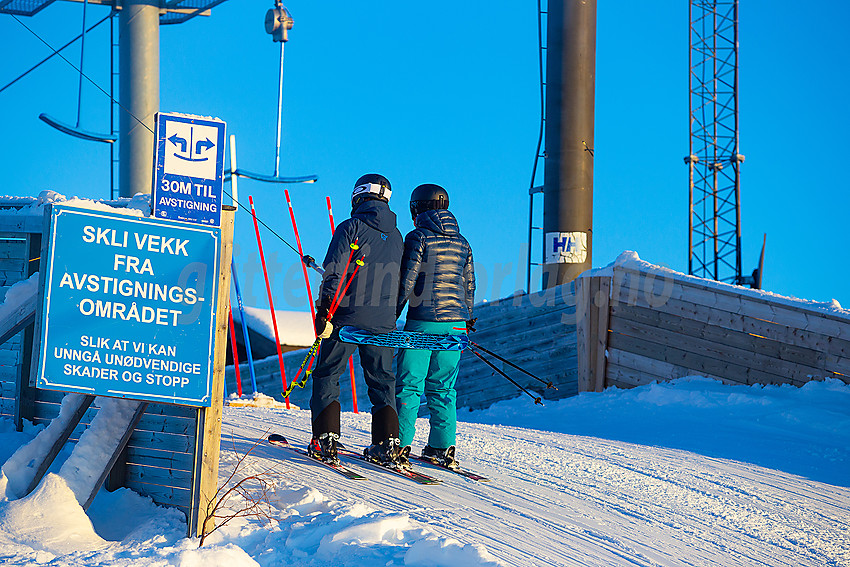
(461, 471)
(404, 339)
(280, 441)
(415, 476)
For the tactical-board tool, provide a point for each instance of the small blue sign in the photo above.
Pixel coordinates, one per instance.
(129, 307)
(188, 175)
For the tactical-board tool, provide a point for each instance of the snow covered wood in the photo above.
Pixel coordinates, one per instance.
(664, 325)
(19, 251)
(25, 469)
(22, 316)
(99, 447)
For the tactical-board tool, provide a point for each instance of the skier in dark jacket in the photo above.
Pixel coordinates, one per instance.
(438, 280)
(371, 236)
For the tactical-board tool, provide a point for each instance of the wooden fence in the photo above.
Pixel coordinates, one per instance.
(172, 454)
(535, 331)
(642, 325)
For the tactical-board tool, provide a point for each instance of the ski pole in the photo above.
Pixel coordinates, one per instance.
(271, 302)
(245, 335)
(295, 382)
(300, 253)
(350, 358)
(359, 262)
(493, 366)
(549, 384)
(306, 278)
(330, 215)
(353, 247)
(317, 343)
(308, 360)
(235, 354)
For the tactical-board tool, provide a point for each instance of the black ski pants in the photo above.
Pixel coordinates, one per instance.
(380, 379)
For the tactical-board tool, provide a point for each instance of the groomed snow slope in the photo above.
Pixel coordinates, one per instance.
(653, 485)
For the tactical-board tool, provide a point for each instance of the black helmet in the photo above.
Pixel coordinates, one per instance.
(426, 197)
(371, 186)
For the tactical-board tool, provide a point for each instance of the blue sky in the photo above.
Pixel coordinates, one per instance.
(447, 92)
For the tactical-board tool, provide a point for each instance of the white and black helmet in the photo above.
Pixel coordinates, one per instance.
(371, 186)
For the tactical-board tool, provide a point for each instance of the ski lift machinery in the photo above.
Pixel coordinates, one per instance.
(140, 99)
(76, 130)
(278, 22)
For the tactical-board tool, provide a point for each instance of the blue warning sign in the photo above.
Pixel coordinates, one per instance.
(129, 307)
(188, 176)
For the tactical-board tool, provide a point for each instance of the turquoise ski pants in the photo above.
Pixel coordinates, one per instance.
(433, 373)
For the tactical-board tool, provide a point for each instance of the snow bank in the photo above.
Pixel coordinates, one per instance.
(19, 470)
(803, 430)
(630, 260)
(319, 531)
(258, 400)
(50, 520)
(295, 328)
(138, 206)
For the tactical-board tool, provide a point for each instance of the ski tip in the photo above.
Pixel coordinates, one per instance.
(279, 439)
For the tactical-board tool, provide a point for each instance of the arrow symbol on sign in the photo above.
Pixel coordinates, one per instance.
(177, 140)
(203, 145)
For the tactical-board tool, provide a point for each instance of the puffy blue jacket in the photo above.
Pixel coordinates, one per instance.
(371, 300)
(437, 274)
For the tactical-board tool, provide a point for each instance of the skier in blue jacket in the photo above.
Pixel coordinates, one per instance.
(438, 282)
(370, 304)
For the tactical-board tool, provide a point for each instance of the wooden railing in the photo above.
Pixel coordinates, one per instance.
(637, 326)
(535, 331)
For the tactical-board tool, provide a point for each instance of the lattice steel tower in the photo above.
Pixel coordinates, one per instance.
(714, 160)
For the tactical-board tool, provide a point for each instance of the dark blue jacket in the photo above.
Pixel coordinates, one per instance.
(371, 300)
(437, 274)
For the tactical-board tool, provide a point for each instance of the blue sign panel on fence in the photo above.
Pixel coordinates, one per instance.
(129, 307)
(188, 176)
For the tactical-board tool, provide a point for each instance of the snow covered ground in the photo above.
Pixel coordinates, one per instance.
(686, 473)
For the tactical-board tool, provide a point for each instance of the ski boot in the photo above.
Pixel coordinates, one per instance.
(324, 448)
(404, 458)
(443, 457)
(385, 453)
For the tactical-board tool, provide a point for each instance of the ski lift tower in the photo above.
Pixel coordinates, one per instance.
(138, 91)
(714, 161)
(569, 126)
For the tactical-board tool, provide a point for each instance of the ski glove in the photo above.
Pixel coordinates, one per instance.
(470, 325)
(324, 328)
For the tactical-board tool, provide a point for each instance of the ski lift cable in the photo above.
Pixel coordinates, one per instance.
(76, 131)
(56, 52)
(49, 57)
(89, 79)
(270, 229)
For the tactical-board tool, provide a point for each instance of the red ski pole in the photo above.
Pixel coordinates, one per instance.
(308, 360)
(350, 358)
(235, 353)
(301, 254)
(335, 305)
(332, 308)
(271, 302)
(331, 215)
